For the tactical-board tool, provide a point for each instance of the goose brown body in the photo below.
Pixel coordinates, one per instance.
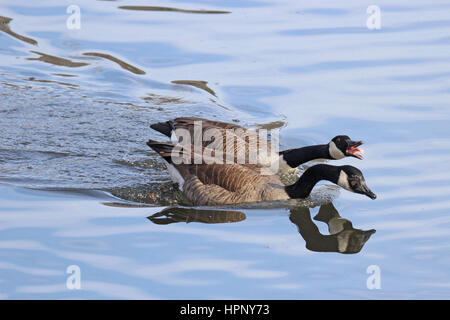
(219, 184)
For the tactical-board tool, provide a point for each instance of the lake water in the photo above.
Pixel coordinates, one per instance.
(75, 108)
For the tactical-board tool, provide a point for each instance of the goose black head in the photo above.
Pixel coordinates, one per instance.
(352, 179)
(342, 146)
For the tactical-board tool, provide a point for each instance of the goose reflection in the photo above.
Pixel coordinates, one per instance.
(177, 214)
(343, 238)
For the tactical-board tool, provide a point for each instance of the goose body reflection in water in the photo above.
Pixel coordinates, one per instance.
(343, 238)
(174, 214)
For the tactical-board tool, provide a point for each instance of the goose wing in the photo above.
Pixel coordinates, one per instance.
(187, 123)
(246, 146)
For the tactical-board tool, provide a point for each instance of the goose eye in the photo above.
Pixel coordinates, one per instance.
(354, 181)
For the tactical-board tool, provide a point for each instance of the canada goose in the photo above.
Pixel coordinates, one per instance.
(222, 184)
(339, 147)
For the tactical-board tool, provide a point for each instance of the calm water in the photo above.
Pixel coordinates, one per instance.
(75, 107)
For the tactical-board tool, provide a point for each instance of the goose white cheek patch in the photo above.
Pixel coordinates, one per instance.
(335, 152)
(343, 181)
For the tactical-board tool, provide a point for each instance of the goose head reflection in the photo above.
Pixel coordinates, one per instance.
(178, 214)
(343, 238)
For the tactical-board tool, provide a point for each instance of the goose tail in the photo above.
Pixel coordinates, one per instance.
(166, 128)
(162, 148)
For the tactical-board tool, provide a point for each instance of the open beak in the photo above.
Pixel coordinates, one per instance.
(353, 149)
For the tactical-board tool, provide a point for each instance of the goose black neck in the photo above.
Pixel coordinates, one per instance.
(302, 188)
(295, 157)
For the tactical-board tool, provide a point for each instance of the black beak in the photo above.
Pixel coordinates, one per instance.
(354, 144)
(369, 193)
